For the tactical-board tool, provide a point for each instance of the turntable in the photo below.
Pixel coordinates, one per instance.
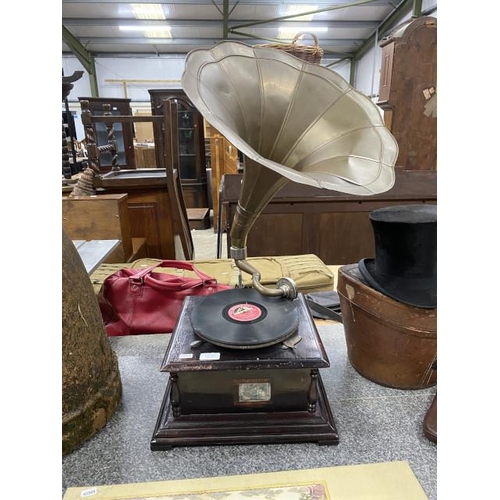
(245, 364)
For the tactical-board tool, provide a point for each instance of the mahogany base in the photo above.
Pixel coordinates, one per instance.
(245, 428)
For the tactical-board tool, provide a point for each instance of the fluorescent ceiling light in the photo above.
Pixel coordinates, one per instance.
(165, 33)
(147, 11)
(150, 31)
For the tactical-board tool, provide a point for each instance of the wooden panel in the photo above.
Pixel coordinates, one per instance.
(149, 207)
(281, 226)
(101, 217)
(386, 74)
(144, 216)
(345, 236)
(194, 194)
(149, 212)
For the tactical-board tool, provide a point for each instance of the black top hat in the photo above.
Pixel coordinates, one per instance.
(405, 264)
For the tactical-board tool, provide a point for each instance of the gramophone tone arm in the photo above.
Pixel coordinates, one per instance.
(286, 287)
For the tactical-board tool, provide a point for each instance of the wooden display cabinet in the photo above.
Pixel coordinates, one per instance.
(124, 132)
(408, 92)
(188, 144)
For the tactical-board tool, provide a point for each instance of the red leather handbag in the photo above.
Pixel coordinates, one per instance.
(135, 301)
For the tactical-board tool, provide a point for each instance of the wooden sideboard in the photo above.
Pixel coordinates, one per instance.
(334, 226)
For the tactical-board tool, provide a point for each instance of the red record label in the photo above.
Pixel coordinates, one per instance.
(244, 312)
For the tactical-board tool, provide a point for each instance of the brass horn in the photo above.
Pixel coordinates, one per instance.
(293, 121)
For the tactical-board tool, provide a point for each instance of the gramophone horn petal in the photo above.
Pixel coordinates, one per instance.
(319, 117)
(354, 124)
(352, 147)
(353, 181)
(236, 78)
(277, 96)
(292, 117)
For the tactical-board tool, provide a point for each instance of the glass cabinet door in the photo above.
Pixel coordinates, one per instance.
(188, 143)
(187, 146)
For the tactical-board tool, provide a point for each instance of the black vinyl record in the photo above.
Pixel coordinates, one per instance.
(244, 319)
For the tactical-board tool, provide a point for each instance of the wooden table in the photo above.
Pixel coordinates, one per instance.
(94, 252)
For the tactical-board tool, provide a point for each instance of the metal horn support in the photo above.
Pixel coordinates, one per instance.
(293, 121)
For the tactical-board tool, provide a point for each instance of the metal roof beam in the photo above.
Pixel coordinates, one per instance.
(85, 57)
(172, 55)
(206, 41)
(186, 23)
(128, 55)
(417, 8)
(337, 3)
(225, 19)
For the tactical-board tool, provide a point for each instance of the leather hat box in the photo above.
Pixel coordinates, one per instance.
(388, 342)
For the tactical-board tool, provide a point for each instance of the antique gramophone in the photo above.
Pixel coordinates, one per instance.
(244, 363)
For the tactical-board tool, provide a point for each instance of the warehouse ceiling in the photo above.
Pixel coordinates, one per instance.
(118, 28)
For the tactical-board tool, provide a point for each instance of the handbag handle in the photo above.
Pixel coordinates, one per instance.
(177, 283)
